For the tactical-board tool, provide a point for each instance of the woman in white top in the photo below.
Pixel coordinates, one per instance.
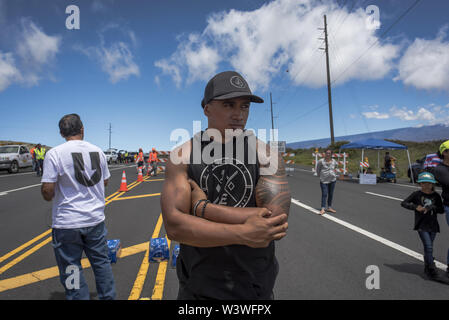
(328, 178)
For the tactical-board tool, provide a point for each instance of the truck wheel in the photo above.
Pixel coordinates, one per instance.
(14, 168)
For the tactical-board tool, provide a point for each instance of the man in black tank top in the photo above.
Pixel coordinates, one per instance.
(224, 202)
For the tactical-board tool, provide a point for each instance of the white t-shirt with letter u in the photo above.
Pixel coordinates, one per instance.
(78, 168)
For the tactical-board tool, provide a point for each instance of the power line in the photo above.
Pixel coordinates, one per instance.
(378, 39)
(375, 43)
(349, 13)
(340, 14)
(313, 66)
(305, 114)
(312, 63)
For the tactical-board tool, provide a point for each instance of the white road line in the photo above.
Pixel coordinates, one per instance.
(121, 167)
(404, 185)
(20, 174)
(394, 184)
(370, 235)
(15, 174)
(384, 196)
(2, 193)
(303, 170)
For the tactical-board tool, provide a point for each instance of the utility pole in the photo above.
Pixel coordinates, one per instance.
(272, 121)
(329, 93)
(110, 131)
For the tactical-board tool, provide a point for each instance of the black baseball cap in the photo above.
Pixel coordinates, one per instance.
(227, 85)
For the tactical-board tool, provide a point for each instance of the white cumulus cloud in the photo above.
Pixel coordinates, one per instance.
(8, 71)
(425, 63)
(279, 36)
(193, 53)
(35, 46)
(115, 58)
(422, 114)
(375, 115)
(31, 58)
(117, 61)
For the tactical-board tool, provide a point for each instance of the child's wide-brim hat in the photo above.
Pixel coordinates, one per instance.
(426, 177)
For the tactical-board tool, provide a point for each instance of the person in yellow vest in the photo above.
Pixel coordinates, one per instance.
(40, 155)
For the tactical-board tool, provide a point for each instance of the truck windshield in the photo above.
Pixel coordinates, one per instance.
(107, 152)
(7, 149)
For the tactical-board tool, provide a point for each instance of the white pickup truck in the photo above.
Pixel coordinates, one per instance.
(15, 157)
(111, 156)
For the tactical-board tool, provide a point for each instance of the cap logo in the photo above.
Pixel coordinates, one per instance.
(237, 82)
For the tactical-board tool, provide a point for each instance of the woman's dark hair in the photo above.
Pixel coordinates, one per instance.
(70, 125)
(439, 155)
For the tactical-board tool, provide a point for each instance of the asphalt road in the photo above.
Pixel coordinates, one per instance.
(322, 257)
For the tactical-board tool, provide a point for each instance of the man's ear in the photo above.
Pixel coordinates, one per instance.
(207, 110)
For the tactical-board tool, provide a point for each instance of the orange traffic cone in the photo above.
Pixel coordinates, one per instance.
(123, 186)
(140, 177)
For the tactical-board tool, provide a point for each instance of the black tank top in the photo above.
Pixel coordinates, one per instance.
(235, 271)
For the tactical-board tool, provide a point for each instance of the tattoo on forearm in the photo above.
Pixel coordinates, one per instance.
(273, 191)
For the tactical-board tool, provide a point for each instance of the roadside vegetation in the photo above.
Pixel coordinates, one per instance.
(417, 150)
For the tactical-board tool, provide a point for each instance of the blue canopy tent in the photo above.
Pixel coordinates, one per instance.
(377, 144)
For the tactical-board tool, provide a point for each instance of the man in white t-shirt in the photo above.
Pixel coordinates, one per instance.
(75, 176)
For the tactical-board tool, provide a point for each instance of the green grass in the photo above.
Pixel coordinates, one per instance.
(26, 144)
(417, 150)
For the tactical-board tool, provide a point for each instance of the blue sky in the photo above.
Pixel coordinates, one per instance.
(142, 66)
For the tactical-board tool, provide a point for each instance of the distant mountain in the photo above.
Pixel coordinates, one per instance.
(425, 133)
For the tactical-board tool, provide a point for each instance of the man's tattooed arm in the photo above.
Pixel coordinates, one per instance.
(272, 191)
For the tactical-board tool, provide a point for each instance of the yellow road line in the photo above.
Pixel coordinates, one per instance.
(130, 186)
(37, 247)
(142, 274)
(112, 199)
(110, 196)
(139, 196)
(53, 272)
(23, 246)
(24, 255)
(160, 278)
(149, 180)
(115, 193)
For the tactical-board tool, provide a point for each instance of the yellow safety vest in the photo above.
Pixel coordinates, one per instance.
(40, 154)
